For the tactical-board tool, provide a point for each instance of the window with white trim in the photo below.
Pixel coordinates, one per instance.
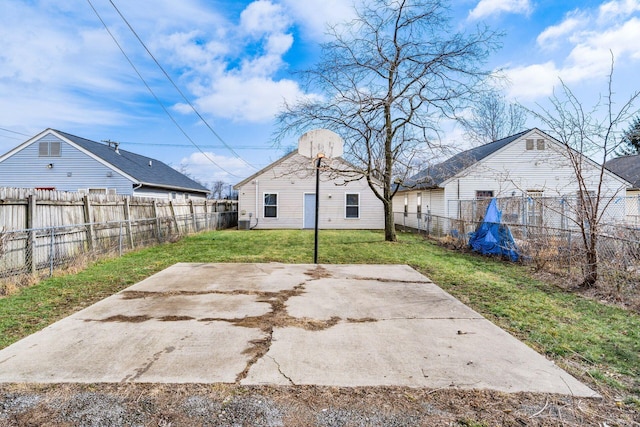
(352, 205)
(535, 207)
(270, 205)
(49, 149)
(484, 194)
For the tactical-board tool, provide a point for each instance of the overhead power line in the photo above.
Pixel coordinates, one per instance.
(184, 97)
(154, 95)
(13, 131)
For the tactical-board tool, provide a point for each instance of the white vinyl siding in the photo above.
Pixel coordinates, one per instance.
(534, 162)
(293, 176)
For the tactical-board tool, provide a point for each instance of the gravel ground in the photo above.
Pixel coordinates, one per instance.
(233, 405)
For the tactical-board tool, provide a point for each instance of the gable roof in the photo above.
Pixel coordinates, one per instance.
(145, 170)
(435, 175)
(288, 156)
(265, 169)
(627, 167)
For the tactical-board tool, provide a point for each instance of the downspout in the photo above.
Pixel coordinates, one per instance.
(135, 188)
(257, 199)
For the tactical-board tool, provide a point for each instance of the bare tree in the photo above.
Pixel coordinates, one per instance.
(585, 134)
(492, 118)
(387, 79)
(217, 188)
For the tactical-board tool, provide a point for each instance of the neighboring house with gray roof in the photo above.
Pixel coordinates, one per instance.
(528, 164)
(60, 161)
(628, 167)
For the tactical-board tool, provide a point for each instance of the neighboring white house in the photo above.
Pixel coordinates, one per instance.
(282, 195)
(628, 167)
(529, 165)
(56, 160)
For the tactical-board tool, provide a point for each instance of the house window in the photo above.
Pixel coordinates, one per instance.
(49, 149)
(529, 144)
(419, 205)
(97, 191)
(270, 205)
(406, 204)
(352, 205)
(540, 144)
(535, 207)
(484, 194)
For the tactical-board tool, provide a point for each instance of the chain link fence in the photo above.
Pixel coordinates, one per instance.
(549, 239)
(34, 252)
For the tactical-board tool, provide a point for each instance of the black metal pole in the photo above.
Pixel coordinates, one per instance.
(315, 248)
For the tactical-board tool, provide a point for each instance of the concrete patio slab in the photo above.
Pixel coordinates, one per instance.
(335, 325)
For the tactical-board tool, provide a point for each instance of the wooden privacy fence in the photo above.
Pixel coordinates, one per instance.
(42, 230)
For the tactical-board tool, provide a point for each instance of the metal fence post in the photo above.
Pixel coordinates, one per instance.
(120, 240)
(51, 252)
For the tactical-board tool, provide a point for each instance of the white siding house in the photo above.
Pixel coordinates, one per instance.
(529, 165)
(282, 195)
(60, 161)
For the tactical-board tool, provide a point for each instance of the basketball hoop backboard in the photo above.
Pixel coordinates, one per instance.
(320, 143)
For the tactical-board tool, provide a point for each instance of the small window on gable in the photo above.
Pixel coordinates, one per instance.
(49, 149)
(484, 194)
(270, 205)
(529, 144)
(352, 205)
(540, 144)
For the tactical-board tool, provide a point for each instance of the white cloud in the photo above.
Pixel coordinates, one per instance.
(315, 15)
(254, 99)
(551, 36)
(207, 167)
(263, 17)
(487, 8)
(585, 40)
(617, 8)
(533, 81)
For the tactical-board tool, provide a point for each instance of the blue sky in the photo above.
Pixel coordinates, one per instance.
(234, 60)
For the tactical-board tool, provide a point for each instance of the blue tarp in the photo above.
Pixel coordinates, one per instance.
(493, 238)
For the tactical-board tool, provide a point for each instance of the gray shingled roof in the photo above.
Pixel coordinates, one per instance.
(627, 167)
(435, 175)
(137, 166)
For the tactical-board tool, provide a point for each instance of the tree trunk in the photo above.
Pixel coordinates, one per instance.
(591, 263)
(389, 225)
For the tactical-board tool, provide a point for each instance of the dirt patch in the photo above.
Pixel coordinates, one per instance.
(318, 273)
(231, 404)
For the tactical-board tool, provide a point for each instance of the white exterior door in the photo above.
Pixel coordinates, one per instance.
(309, 211)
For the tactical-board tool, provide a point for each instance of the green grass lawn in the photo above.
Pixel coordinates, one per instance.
(598, 343)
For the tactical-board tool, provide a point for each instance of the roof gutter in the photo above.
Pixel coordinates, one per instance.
(173, 187)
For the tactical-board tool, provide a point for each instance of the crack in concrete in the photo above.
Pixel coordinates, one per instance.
(280, 370)
(150, 363)
(383, 280)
